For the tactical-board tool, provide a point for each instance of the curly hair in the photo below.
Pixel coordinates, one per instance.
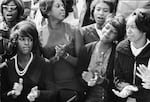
(46, 5)
(119, 23)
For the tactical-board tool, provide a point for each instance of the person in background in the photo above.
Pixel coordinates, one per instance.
(27, 77)
(60, 44)
(99, 10)
(12, 13)
(72, 18)
(130, 54)
(98, 65)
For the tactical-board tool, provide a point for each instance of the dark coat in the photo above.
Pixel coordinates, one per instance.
(124, 69)
(38, 74)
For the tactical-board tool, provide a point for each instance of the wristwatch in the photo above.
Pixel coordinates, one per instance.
(66, 55)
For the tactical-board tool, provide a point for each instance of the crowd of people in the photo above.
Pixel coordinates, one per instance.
(52, 51)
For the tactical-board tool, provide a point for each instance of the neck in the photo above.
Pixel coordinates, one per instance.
(99, 26)
(11, 23)
(105, 45)
(53, 24)
(23, 58)
(140, 43)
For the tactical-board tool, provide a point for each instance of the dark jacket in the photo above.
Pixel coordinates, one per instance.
(38, 74)
(84, 60)
(124, 69)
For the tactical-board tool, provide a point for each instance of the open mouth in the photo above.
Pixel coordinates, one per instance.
(100, 18)
(9, 15)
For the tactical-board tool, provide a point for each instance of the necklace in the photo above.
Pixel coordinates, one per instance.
(21, 73)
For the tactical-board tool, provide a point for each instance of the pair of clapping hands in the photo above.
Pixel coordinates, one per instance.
(60, 51)
(17, 88)
(144, 74)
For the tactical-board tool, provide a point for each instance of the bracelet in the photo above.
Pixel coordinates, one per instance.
(67, 55)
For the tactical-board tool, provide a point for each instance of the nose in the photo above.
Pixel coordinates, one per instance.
(101, 12)
(62, 8)
(27, 41)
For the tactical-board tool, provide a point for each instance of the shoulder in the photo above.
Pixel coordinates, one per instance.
(90, 46)
(90, 27)
(123, 46)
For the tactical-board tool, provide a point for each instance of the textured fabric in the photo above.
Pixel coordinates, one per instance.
(38, 74)
(101, 90)
(124, 69)
(90, 34)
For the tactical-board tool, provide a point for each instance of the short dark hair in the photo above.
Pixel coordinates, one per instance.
(19, 4)
(95, 2)
(46, 5)
(142, 20)
(25, 28)
(119, 23)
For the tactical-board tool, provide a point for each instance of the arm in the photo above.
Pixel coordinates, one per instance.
(118, 74)
(45, 91)
(78, 44)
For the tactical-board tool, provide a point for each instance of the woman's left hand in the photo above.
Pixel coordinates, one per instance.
(33, 94)
(144, 74)
(60, 50)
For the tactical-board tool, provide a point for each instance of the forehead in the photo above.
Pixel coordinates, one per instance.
(101, 5)
(131, 20)
(57, 1)
(11, 3)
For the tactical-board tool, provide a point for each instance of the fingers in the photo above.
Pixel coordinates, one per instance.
(20, 80)
(33, 94)
(131, 88)
(12, 92)
(146, 85)
(139, 75)
(142, 69)
(122, 94)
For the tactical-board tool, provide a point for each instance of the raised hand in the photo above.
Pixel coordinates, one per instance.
(34, 93)
(144, 74)
(126, 91)
(17, 88)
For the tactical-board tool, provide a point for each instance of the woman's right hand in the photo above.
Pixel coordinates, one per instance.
(144, 74)
(126, 91)
(17, 88)
(89, 78)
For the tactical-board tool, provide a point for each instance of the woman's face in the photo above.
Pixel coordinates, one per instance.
(25, 45)
(133, 33)
(109, 33)
(58, 10)
(10, 11)
(100, 12)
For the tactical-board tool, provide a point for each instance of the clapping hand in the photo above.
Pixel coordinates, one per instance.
(90, 78)
(17, 88)
(126, 91)
(60, 50)
(144, 74)
(33, 94)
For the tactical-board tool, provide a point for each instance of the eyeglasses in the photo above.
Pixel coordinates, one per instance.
(9, 7)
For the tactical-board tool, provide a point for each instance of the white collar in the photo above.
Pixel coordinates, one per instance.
(137, 51)
(99, 32)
